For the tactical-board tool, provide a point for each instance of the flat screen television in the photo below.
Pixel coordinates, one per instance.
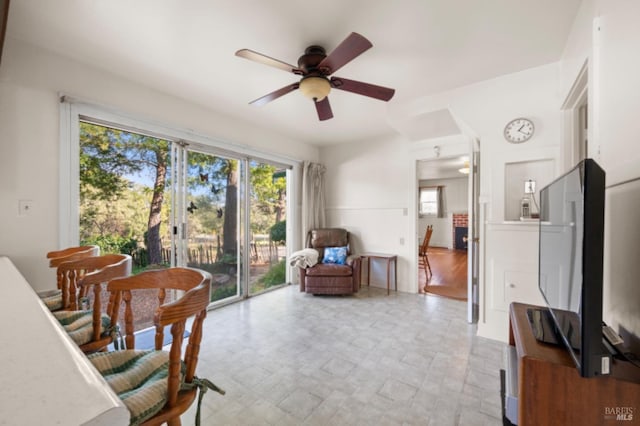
(570, 267)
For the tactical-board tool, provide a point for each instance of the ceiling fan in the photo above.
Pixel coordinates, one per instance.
(315, 67)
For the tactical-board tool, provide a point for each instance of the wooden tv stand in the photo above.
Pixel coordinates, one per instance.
(551, 391)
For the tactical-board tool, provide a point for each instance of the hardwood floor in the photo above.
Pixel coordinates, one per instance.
(449, 277)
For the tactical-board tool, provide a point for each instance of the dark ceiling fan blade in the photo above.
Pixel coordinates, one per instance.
(267, 60)
(365, 89)
(4, 17)
(350, 48)
(324, 109)
(275, 95)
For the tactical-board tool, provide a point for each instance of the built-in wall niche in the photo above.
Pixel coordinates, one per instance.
(515, 175)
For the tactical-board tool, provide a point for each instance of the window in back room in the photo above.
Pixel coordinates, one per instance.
(428, 201)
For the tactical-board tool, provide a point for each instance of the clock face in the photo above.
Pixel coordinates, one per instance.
(518, 130)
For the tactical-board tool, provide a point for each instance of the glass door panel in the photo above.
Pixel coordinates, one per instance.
(124, 197)
(267, 224)
(125, 202)
(212, 226)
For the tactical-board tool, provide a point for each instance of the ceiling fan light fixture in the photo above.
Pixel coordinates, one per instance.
(314, 87)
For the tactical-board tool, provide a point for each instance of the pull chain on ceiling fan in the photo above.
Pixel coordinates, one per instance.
(316, 67)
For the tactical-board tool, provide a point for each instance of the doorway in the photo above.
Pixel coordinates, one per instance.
(453, 152)
(443, 207)
(576, 118)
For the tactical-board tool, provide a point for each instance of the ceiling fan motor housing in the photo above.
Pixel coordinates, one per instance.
(313, 55)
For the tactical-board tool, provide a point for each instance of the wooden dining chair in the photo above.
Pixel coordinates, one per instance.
(71, 253)
(158, 386)
(70, 273)
(424, 248)
(53, 298)
(86, 318)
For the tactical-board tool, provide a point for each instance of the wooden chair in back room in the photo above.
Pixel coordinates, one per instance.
(424, 248)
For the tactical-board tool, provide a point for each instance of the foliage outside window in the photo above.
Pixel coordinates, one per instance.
(123, 178)
(428, 201)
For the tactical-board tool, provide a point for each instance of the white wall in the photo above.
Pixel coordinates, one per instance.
(30, 82)
(606, 35)
(616, 103)
(456, 191)
(365, 193)
(370, 183)
(578, 47)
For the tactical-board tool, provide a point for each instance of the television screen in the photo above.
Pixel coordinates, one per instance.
(570, 264)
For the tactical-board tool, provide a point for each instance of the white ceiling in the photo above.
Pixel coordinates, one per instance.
(442, 168)
(186, 48)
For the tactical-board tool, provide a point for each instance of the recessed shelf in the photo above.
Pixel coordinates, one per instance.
(515, 175)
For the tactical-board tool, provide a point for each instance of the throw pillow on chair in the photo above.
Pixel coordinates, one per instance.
(337, 255)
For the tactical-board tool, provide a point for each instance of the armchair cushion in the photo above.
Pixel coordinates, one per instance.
(329, 270)
(336, 255)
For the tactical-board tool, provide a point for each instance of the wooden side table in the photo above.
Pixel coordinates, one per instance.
(389, 258)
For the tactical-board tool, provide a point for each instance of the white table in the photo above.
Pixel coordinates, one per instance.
(46, 379)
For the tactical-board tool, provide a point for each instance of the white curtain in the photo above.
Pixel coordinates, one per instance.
(313, 204)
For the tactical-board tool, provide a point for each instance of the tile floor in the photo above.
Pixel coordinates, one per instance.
(288, 358)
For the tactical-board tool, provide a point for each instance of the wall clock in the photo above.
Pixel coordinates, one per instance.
(518, 130)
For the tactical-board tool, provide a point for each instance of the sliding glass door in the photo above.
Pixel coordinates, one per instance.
(209, 225)
(169, 201)
(232, 212)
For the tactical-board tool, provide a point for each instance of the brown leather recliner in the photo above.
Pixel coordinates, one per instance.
(330, 278)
